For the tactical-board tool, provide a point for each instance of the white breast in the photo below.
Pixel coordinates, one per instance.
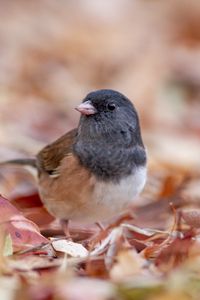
(110, 199)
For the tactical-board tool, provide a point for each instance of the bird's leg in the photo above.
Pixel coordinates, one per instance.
(65, 228)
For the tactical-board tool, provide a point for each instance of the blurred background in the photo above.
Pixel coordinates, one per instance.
(52, 53)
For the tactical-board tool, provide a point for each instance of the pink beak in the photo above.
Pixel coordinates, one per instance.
(86, 108)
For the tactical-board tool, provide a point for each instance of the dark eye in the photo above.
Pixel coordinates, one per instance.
(111, 106)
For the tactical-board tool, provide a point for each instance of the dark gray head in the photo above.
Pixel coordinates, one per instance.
(110, 114)
(109, 133)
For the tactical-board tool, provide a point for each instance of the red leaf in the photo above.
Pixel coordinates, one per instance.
(175, 253)
(24, 233)
(32, 208)
(27, 201)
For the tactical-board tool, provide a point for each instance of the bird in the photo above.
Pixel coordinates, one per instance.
(93, 172)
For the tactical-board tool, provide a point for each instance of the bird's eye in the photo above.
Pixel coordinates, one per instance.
(111, 106)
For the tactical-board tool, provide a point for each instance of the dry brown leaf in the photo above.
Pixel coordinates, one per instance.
(191, 217)
(129, 263)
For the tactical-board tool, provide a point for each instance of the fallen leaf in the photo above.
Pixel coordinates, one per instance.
(175, 253)
(129, 263)
(8, 247)
(192, 217)
(84, 289)
(70, 248)
(23, 232)
(33, 262)
(8, 287)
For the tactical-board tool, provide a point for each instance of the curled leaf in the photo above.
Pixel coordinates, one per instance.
(23, 232)
(70, 248)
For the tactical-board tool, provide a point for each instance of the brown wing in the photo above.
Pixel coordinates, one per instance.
(50, 157)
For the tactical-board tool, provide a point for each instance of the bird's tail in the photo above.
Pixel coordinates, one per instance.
(27, 163)
(31, 162)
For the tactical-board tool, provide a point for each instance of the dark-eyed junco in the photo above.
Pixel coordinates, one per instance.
(94, 171)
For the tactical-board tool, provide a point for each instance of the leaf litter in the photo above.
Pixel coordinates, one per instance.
(154, 253)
